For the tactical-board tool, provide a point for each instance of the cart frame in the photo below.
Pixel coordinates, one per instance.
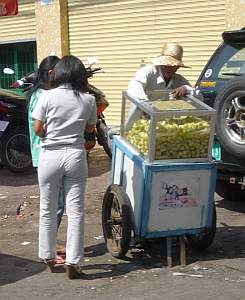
(157, 115)
(130, 204)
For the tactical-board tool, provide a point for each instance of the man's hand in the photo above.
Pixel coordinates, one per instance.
(179, 92)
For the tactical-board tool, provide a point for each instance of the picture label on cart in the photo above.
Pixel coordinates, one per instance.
(179, 193)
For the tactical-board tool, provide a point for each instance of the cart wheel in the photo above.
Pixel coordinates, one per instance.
(116, 220)
(204, 239)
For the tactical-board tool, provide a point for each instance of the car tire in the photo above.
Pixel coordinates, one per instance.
(230, 122)
(229, 191)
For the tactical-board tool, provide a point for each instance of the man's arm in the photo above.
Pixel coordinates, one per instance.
(136, 89)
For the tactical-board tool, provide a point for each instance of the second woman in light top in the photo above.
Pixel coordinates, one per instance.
(61, 117)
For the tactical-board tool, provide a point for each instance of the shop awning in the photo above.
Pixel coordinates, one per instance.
(8, 7)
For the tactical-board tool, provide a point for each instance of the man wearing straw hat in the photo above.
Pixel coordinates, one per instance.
(160, 75)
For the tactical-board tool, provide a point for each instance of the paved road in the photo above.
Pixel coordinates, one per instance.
(142, 275)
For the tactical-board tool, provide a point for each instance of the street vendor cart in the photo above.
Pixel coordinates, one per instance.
(163, 176)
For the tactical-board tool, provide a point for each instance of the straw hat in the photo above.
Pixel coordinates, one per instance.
(172, 54)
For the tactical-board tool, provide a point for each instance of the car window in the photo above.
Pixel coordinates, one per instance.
(233, 62)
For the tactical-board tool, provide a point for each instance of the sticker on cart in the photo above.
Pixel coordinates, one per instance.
(179, 194)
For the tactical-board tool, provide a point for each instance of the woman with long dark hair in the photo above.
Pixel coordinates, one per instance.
(61, 117)
(42, 82)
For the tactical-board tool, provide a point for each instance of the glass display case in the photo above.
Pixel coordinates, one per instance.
(164, 129)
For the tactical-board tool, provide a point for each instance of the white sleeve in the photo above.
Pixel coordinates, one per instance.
(189, 89)
(137, 84)
(40, 111)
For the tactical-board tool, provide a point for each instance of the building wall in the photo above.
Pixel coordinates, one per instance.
(125, 34)
(47, 24)
(21, 26)
(235, 14)
(51, 29)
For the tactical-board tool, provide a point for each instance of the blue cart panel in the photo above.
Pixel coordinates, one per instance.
(167, 199)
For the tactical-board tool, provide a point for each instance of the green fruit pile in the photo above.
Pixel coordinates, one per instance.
(177, 137)
(171, 105)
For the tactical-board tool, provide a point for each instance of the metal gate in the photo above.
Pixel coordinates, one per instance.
(21, 57)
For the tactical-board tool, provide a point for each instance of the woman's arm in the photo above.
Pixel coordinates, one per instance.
(90, 128)
(91, 121)
(39, 128)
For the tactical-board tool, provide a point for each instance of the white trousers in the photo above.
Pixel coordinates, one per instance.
(57, 166)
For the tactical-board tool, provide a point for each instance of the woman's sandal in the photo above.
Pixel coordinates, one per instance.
(50, 263)
(60, 256)
(73, 271)
(59, 260)
(61, 252)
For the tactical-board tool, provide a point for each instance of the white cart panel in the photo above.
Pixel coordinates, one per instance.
(179, 200)
(130, 176)
(117, 166)
(165, 198)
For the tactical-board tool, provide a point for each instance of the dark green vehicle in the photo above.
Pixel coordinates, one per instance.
(222, 85)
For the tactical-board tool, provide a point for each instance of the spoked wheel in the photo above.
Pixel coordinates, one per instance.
(204, 239)
(15, 151)
(116, 221)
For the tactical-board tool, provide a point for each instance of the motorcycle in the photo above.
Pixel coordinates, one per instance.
(101, 134)
(15, 154)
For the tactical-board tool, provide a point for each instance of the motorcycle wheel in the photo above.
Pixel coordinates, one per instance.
(15, 151)
(103, 138)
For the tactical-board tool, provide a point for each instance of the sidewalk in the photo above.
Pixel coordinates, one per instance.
(141, 275)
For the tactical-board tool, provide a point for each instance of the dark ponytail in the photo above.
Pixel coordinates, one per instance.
(70, 70)
(42, 80)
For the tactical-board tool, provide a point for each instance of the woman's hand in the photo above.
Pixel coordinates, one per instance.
(90, 128)
(39, 128)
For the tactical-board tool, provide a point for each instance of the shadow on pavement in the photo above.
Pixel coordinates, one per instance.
(99, 169)
(8, 178)
(13, 268)
(95, 250)
(236, 206)
(111, 271)
(98, 162)
(229, 243)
